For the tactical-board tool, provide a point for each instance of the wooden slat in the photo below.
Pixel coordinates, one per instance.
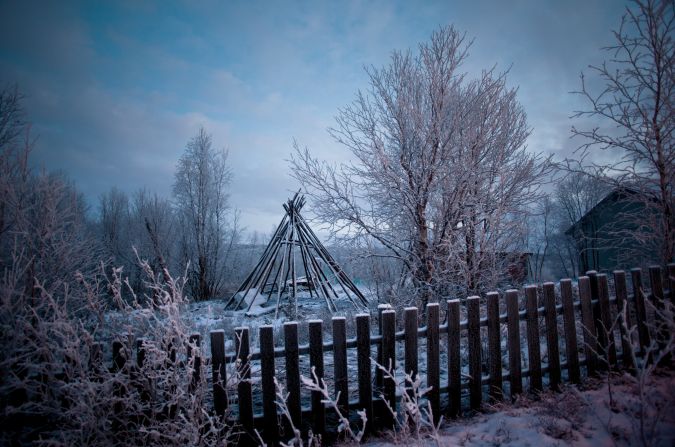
(195, 358)
(140, 352)
(340, 364)
(533, 347)
(494, 346)
(671, 282)
(433, 360)
(411, 360)
(551, 318)
(364, 365)
(606, 317)
(513, 323)
(219, 371)
(624, 316)
(244, 392)
(454, 359)
(597, 319)
(293, 372)
(640, 309)
(571, 350)
(588, 322)
(270, 430)
(119, 357)
(316, 364)
(473, 333)
(389, 361)
(378, 371)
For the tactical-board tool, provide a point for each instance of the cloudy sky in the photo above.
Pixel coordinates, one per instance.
(115, 89)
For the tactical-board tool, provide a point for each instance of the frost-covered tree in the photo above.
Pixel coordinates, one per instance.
(440, 176)
(201, 199)
(45, 235)
(636, 122)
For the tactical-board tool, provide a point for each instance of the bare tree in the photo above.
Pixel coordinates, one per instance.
(201, 199)
(441, 177)
(44, 231)
(635, 112)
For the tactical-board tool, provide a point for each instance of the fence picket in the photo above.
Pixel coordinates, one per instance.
(606, 329)
(640, 309)
(271, 429)
(433, 360)
(494, 346)
(195, 359)
(588, 323)
(293, 372)
(454, 359)
(244, 392)
(552, 348)
(656, 296)
(671, 282)
(411, 360)
(389, 361)
(364, 366)
(513, 323)
(571, 350)
(473, 334)
(218, 371)
(624, 316)
(316, 365)
(533, 348)
(340, 364)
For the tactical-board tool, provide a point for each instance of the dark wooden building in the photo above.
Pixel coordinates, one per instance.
(605, 235)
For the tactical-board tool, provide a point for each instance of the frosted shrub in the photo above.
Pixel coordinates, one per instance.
(58, 388)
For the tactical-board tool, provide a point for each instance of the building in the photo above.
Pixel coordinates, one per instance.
(605, 237)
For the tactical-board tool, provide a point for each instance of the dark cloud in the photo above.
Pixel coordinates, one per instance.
(116, 90)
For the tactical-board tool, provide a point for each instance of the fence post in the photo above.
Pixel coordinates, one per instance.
(378, 371)
(364, 366)
(494, 346)
(551, 318)
(340, 364)
(624, 316)
(513, 324)
(640, 309)
(454, 359)
(140, 353)
(219, 371)
(588, 322)
(119, 355)
(293, 372)
(241, 342)
(267, 369)
(194, 356)
(411, 363)
(571, 352)
(609, 348)
(316, 363)
(656, 282)
(433, 360)
(533, 348)
(671, 282)
(389, 360)
(473, 317)
(597, 317)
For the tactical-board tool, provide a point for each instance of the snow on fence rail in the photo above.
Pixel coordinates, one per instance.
(589, 313)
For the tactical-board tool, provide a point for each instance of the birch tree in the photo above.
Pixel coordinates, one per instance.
(440, 175)
(634, 112)
(201, 199)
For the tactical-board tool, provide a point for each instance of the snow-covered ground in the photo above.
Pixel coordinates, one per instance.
(577, 416)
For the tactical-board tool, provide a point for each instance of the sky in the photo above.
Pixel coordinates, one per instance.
(114, 90)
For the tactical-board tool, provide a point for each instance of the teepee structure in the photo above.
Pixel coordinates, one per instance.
(295, 261)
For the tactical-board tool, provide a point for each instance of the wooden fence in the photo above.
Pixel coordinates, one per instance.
(585, 312)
